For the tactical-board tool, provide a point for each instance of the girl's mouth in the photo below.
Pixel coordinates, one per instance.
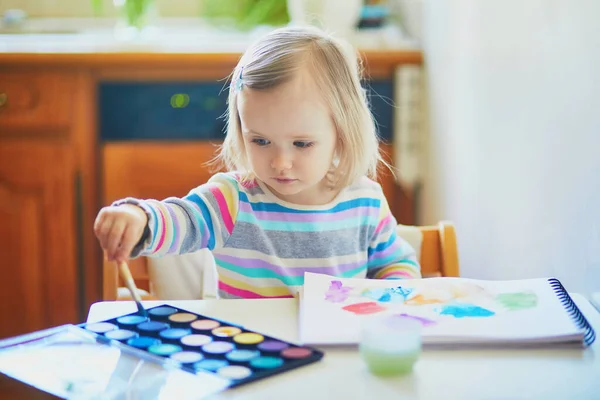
(284, 180)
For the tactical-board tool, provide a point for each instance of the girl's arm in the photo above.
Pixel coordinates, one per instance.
(203, 219)
(390, 256)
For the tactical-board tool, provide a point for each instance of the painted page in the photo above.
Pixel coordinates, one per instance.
(450, 310)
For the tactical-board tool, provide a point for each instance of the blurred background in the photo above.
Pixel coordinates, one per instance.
(514, 136)
(488, 109)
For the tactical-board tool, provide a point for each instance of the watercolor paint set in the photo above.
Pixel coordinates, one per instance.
(171, 351)
(198, 342)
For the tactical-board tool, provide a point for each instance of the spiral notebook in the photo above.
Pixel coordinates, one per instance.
(451, 311)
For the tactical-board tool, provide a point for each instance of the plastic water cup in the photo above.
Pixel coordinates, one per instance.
(390, 345)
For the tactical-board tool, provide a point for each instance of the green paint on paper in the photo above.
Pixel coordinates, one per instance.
(518, 300)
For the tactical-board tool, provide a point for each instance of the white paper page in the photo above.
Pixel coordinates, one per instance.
(449, 309)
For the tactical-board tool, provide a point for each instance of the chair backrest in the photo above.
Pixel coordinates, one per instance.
(438, 257)
(113, 287)
(439, 250)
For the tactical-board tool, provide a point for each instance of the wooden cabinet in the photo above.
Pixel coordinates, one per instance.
(40, 200)
(34, 99)
(62, 158)
(37, 233)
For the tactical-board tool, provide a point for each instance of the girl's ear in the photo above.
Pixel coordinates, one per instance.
(335, 161)
(337, 153)
(332, 175)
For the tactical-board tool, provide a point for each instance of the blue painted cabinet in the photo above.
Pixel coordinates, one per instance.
(184, 111)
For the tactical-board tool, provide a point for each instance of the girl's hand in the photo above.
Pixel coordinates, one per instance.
(119, 229)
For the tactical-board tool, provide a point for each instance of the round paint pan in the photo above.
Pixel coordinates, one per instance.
(235, 372)
(164, 349)
(131, 320)
(121, 334)
(248, 339)
(195, 340)
(296, 353)
(210, 365)
(182, 319)
(101, 327)
(173, 333)
(187, 357)
(152, 328)
(242, 356)
(204, 325)
(226, 332)
(266, 362)
(218, 348)
(272, 346)
(143, 342)
(161, 312)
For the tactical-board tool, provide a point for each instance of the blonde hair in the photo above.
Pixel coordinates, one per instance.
(272, 61)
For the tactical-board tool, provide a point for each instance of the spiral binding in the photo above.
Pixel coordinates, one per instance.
(574, 311)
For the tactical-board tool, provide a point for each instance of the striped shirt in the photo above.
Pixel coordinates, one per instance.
(263, 245)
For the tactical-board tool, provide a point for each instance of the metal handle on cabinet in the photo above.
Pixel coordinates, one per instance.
(3, 99)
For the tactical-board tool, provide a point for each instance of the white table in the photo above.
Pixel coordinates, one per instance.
(440, 375)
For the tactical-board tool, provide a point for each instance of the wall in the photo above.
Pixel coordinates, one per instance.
(514, 141)
(83, 8)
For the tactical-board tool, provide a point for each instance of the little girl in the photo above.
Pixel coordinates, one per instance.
(301, 148)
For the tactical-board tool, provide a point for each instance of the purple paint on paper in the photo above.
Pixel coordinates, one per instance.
(337, 293)
(422, 320)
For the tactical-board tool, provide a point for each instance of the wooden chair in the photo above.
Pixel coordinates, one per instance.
(438, 257)
(439, 250)
(113, 287)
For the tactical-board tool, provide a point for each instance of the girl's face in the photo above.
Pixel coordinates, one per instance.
(290, 139)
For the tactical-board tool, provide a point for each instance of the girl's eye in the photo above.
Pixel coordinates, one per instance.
(260, 142)
(303, 145)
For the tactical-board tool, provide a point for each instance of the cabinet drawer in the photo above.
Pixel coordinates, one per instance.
(155, 170)
(34, 100)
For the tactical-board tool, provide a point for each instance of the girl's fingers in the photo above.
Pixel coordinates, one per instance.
(103, 232)
(129, 239)
(114, 239)
(101, 221)
(117, 232)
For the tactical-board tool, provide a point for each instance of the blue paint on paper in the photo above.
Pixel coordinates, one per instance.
(460, 310)
(404, 292)
(389, 295)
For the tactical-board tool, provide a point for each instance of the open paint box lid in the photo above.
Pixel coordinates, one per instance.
(70, 362)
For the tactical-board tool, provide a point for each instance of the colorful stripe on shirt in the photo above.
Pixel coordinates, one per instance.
(262, 246)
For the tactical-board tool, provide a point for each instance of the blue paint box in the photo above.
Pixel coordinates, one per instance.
(139, 356)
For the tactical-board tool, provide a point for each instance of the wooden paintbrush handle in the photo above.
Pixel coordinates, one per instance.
(128, 280)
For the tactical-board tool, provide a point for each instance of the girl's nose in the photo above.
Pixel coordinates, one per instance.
(281, 162)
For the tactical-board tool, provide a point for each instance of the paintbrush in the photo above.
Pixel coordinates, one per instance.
(128, 280)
